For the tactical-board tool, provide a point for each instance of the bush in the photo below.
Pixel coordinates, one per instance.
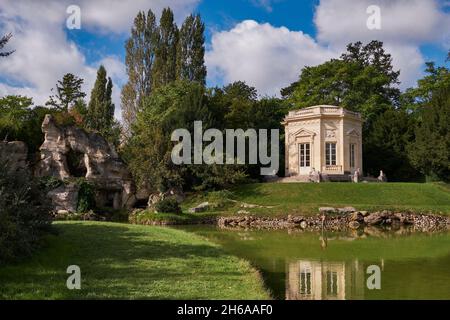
(168, 205)
(24, 215)
(86, 196)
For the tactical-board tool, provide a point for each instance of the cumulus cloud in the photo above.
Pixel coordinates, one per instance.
(269, 58)
(44, 53)
(266, 57)
(117, 15)
(405, 25)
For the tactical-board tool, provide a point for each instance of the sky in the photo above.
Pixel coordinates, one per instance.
(263, 42)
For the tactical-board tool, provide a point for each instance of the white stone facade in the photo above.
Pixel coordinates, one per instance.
(325, 139)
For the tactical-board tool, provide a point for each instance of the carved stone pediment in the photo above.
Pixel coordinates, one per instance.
(303, 133)
(353, 132)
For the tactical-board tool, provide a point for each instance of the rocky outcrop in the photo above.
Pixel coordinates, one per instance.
(64, 198)
(72, 152)
(15, 153)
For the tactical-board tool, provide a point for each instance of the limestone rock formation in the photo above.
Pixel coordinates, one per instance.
(73, 152)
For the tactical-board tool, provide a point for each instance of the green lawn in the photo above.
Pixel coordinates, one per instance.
(130, 262)
(306, 198)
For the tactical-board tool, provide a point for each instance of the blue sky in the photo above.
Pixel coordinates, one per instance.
(263, 42)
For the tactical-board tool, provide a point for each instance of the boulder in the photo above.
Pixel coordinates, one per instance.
(354, 225)
(175, 193)
(346, 210)
(356, 216)
(64, 198)
(200, 208)
(373, 219)
(325, 210)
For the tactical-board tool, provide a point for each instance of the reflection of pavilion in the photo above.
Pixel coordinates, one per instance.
(321, 280)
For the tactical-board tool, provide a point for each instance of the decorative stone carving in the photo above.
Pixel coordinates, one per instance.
(356, 176)
(314, 176)
(382, 177)
(330, 134)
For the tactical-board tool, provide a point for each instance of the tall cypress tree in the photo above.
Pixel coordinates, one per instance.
(100, 113)
(164, 71)
(139, 61)
(191, 50)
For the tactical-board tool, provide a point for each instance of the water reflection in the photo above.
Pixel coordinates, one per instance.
(324, 280)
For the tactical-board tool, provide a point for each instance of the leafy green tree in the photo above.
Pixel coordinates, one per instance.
(148, 152)
(386, 146)
(139, 61)
(14, 112)
(362, 80)
(164, 71)
(68, 92)
(430, 152)
(414, 99)
(100, 112)
(191, 50)
(3, 41)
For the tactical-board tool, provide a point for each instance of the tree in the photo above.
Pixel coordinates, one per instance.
(3, 41)
(68, 91)
(191, 50)
(139, 61)
(100, 112)
(14, 112)
(362, 80)
(415, 99)
(164, 71)
(430, 152)
(386, 146)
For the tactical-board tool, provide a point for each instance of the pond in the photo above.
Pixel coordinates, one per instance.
(300, 265)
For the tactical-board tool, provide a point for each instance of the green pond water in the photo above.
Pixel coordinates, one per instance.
(299, 265)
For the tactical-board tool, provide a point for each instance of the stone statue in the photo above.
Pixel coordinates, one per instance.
(382, 177)
(357, 176)
(314, 176)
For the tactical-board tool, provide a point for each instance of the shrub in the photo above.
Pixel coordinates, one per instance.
(86, 196)
(24, 215)
(168, 205)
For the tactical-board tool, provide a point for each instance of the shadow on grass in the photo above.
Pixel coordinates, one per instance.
(118, 262)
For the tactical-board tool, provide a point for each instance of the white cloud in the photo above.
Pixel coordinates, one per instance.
(270, 58)
(44, 53)
(117, 15)
(266, 57)
(405, 25)
(265, 4)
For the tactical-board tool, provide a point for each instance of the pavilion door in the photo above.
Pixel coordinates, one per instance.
(304, 158)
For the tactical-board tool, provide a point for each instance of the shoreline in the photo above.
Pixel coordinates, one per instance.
(327, 220)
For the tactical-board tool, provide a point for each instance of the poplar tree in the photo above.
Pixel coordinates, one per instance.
(139, 61)
(100, 113)
(191, 50)
(164, 71)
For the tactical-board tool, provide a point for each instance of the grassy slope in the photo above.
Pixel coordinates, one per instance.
(304, 198)
(126, 261)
